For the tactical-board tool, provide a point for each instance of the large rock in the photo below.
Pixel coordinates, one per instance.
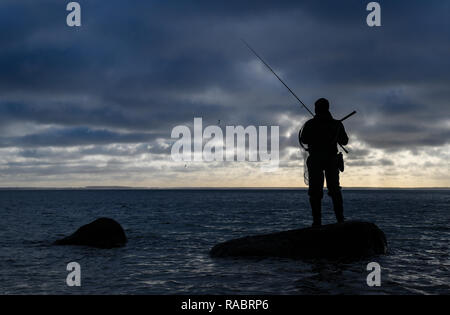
(101, 233)
(348, 240)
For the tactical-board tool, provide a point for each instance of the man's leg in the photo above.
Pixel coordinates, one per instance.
(334, 191)
(315, 190)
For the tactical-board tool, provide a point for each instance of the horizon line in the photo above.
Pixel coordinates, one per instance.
(207, 188)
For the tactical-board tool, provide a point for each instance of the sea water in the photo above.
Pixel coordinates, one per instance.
(171, 231)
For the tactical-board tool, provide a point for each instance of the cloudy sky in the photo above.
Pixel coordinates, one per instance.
(95, 105)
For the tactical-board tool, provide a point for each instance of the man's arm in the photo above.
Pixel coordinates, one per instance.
(342, 135)
(305, 134)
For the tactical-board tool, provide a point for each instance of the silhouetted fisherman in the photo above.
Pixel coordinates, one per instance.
(322, 134)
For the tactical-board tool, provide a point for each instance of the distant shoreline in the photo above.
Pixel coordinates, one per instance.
(211, 188)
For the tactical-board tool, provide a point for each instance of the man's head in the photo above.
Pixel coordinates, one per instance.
(322, 106)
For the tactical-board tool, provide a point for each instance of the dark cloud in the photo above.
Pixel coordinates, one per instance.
(73, 137)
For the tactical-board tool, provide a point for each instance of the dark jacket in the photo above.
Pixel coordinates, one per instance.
(322, 134)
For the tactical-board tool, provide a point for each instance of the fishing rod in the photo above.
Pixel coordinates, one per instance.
(292, 92)
(262, 60)
(348, 116)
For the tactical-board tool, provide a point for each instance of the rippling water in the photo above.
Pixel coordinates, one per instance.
(170, 234)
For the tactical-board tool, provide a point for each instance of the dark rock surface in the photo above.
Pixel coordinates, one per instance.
(348, 240)
(101, 233)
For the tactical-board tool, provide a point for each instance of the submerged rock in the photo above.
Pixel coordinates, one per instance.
(101, 233)
(348, 240)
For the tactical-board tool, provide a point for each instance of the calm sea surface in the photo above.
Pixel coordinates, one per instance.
(171, 231)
